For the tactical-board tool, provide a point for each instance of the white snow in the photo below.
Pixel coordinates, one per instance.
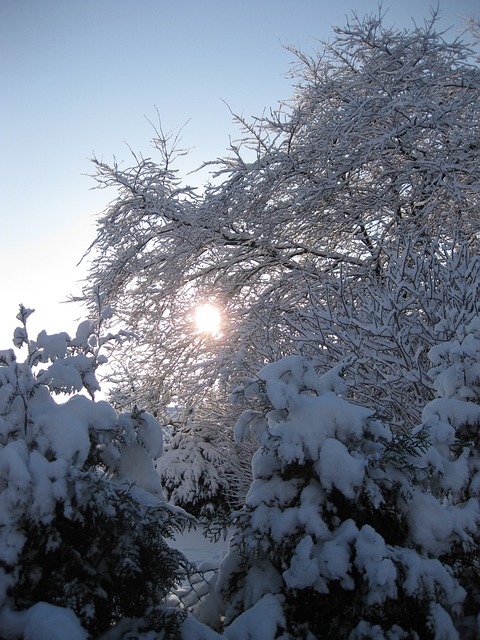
(451, 411)
(371, 558)
(199, 549)
(334, 556)
(135, 467)
(150, 435)
(337, 468)
(303, 571)
(52, 346)
(441, 623)
(42, 621)
(435, 526)
(192, 629)
(260, 621)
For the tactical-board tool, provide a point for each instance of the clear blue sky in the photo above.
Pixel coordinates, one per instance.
(81, 77)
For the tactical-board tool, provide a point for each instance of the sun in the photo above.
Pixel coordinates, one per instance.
(207, 319)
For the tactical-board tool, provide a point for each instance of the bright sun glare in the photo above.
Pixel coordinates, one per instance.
(207, 319)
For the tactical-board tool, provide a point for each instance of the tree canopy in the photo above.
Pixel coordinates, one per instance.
(330, 227)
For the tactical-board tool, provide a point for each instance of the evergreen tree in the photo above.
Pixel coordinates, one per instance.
(326, 545)
(83, 519)
(200, 472)
(452, 422)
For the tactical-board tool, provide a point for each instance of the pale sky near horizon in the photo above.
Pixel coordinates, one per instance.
(83, 77)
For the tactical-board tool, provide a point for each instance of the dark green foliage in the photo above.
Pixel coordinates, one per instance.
(106, 561)
(329, 616)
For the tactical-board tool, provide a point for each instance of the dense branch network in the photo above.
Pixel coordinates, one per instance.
(370, 171)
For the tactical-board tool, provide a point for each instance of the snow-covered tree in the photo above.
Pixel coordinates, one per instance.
(328, 544)
(452, 422)
(338, 224)
(373, 160)
(200, 472)
(391, 323)
(83, 522)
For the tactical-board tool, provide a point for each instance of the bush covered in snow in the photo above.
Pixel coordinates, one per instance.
(83, 523)
(203, 470)
(452, 422)
(192, 472)
(340, 536)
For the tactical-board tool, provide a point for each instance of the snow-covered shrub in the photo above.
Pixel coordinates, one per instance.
(452, 422)
(191, 473)
(200, 470)
(83, 522)
(324, 544)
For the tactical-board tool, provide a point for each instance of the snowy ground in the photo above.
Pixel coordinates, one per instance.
(203, 553)
(206, 556)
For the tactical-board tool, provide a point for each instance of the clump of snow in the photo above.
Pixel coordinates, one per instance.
(337, 468)
(250, 423)
(51, 347)
(42, 621)
(84, 332)
(451, 412)
(47, 622)
(263, 620)
(135, 467)
(373, 561)
(150, 434)
(440, 623)
(335, 557)
(436, 526)
(192, 629)
(303, 571)
(7, 356)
